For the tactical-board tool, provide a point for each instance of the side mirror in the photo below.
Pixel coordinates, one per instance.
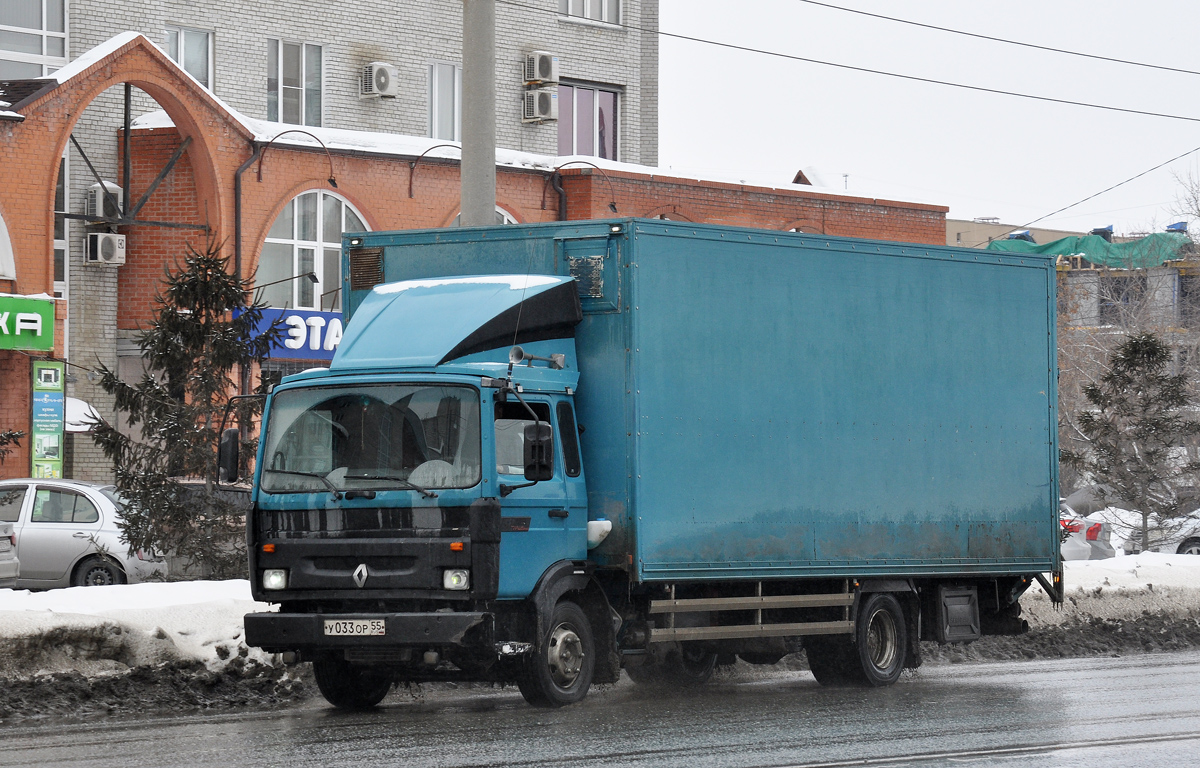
(227, 455)
(539, 452)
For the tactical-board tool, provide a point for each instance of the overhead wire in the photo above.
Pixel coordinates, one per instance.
(1006, 41)
(867, 70)
(792, 57)
(1090, 197)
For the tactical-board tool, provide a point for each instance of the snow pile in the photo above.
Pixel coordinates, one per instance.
(97, 630)
(108, 629)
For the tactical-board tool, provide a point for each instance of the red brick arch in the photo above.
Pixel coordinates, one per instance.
(31, 151)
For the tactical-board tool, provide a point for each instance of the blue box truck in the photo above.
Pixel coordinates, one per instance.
(545, 453)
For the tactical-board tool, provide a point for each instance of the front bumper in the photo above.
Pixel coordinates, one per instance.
(280, 632)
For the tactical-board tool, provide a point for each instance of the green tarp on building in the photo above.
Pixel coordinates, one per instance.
(1149, 251)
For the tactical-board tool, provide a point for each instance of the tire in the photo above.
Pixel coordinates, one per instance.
(96, 571)
(685, 666)
(830, 659)
(350, 687)
(1189, 547)
(559, 671)
(692, 665)
(881, 640)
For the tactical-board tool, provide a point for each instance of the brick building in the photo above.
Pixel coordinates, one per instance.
(279, 196)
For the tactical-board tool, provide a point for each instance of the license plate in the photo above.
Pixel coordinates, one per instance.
(355, 627)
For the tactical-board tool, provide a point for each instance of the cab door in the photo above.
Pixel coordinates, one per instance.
(533, 523)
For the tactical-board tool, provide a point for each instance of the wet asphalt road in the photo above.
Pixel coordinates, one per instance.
(1129, 712)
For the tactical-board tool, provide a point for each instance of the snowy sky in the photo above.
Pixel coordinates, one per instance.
(730, 112)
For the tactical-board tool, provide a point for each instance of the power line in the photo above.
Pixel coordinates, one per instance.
(1000, 39)
(866, 70)
(1090, 197)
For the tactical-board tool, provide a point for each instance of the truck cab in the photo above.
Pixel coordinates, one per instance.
(389, 489)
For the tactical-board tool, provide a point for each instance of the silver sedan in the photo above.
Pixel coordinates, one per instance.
(67, 535)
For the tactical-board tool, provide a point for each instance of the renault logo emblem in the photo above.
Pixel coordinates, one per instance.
(360, 575)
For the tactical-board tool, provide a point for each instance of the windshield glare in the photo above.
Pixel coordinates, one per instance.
(379, 436)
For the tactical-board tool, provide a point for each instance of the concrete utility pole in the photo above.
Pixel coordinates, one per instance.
(479, 113)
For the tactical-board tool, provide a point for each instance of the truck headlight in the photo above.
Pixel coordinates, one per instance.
(275, 578)
(456, 578)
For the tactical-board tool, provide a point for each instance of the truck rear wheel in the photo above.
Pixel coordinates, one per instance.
(559, 671)
(881, 640)
(350, 687)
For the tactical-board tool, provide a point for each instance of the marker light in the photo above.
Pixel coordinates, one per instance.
(456, 579)
(275, 578)
(456, 546)
(268, 548)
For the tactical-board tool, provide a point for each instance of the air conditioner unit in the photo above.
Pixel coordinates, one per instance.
(541, 68)
(541, 105)
(97, 201)
(379, 79)
(105, 248)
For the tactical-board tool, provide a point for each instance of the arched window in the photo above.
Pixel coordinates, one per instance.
(502, 217)
(307, 237)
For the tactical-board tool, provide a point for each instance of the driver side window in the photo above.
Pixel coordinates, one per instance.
(511, 419)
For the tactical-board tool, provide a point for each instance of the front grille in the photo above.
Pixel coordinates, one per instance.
(364, 522)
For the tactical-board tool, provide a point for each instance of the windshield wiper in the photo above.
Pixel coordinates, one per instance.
(337, 494)
(407, 484)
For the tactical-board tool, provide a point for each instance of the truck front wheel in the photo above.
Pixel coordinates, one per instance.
(350, 687)
(559, 670)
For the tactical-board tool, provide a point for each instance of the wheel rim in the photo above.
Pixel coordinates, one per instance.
(881, 640)
(564, 654)
(1192, 548)
(98, 576)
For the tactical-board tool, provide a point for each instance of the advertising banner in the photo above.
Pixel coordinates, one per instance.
(26, 323)
(307, 334)
(46, 439)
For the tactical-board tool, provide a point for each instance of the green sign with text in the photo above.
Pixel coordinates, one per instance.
(26, 323)
(49, 409)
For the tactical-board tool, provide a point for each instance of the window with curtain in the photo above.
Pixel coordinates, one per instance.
(445, 101)
(587, 121)
(192, 50)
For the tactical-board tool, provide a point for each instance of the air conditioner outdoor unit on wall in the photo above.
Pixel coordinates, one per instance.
(379, 79)
(541, 68)
(105, 248)
(541, 104)
(97, 201)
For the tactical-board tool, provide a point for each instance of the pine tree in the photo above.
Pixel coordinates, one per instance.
(203, 333)
(9, 437)
(1136, 432)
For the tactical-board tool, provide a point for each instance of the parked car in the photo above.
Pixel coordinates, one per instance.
(1084, 538)
(10, 566)
(67, 535)
(1180, 536)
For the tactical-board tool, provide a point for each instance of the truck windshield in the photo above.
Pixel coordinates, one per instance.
(380, 436)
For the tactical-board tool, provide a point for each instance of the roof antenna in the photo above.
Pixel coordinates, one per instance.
(520, 309)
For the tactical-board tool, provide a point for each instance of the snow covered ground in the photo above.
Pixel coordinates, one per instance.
(94, 630)
(99, 629)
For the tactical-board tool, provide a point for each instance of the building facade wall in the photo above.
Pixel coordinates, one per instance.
(108, 304)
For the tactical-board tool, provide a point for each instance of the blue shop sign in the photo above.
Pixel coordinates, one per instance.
(307, 334)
